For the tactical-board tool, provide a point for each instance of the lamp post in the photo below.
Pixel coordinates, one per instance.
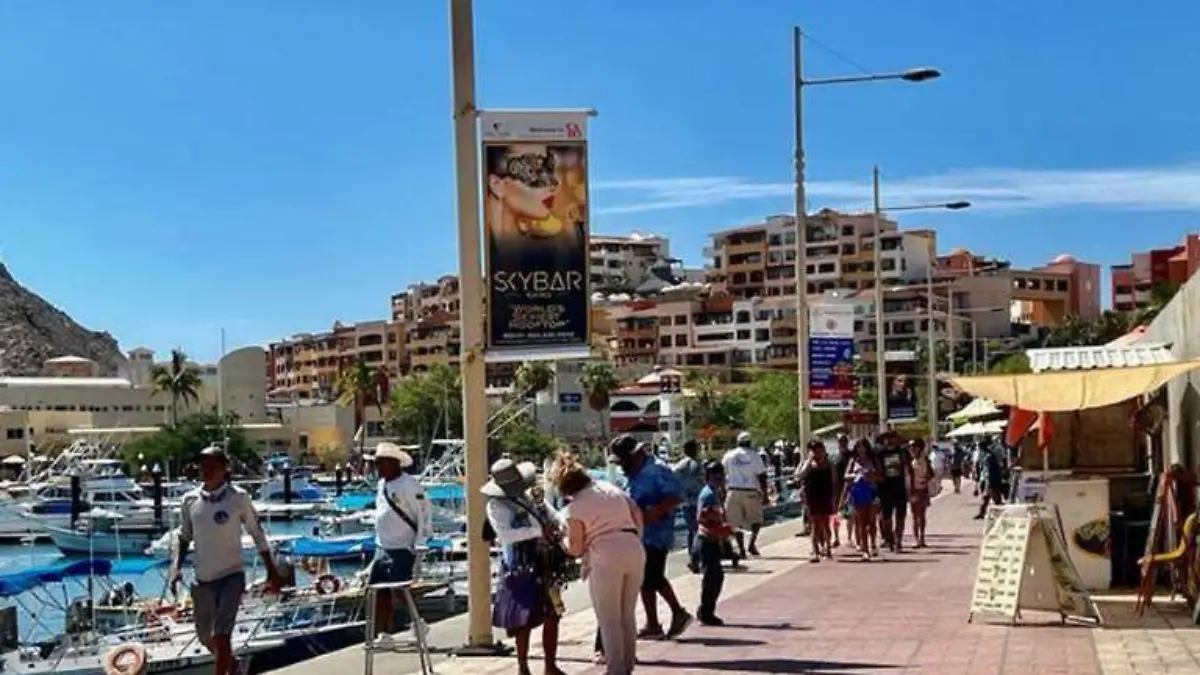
(877, 257)
(799, 83)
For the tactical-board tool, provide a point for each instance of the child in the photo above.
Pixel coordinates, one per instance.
(714, 532)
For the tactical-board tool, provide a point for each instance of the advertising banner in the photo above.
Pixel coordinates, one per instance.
(535, 223)
(901, 393)
(831, 357)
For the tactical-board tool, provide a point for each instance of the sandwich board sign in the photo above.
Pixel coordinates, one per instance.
(1024, 565)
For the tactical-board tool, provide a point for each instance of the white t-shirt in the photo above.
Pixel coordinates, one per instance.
(214, 521)
(391, 531)
(743, 466)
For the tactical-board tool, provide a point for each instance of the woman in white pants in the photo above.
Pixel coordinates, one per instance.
(604, 527)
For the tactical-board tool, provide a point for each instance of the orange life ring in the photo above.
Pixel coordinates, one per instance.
(125, 659)
(327, 584)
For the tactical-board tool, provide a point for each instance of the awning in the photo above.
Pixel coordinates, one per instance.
(979, 429)
(1063, 391)
(979, 407)
(13, 460)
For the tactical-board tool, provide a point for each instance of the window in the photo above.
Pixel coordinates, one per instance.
(743, 335)
(15, 433)
(664, 321)
(887, 264)
(743, 316)
(1061, 285)
(848, 249)
(681, 340)
(825, 268)
(664, 341)
(847, 230)
(681, 319)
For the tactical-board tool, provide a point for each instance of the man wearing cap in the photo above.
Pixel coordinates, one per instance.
(214, 516)
(746, 481)
(657, 492)
(403, 521)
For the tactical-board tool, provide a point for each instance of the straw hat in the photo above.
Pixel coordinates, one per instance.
(387, 450)
(509, 479)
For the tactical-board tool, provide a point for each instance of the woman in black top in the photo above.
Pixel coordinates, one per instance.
(817, 482)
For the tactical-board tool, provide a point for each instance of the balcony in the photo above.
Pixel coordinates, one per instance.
(745, 248)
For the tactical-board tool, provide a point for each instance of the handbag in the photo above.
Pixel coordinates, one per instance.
(515, 600)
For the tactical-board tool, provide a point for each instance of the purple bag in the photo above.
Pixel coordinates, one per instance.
(515, 601)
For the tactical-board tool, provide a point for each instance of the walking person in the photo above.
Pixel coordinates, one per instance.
(657, 493)
(690, 473)
(604, 528)
(533, 574)
(840, 463)
(214, 516)
(817, 482)
(860, 493)
(922, 477)
(991, 479)
(746, 481)
(714, 532)
(893, 489)
(403, 521)
(958, 457)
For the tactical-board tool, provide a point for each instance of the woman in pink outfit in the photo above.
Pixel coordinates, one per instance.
(604, 527)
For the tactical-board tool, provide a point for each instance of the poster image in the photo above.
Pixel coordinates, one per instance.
(901, 397)
(831, 373)
(535, 219)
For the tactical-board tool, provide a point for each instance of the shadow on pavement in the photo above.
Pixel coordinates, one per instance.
(766, 626)
(720, 642)
(769, 666)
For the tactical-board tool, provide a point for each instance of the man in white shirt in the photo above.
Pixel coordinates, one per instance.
(214, 515)
(746, 485)
(403, 522)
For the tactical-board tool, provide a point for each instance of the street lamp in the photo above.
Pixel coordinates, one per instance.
(880, 344)
(799, 83)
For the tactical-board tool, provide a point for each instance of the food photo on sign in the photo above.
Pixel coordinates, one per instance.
(535, 222)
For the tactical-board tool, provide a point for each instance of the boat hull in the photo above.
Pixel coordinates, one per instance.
(74, 543)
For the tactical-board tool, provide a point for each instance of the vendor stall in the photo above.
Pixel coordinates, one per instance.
(1092, 451)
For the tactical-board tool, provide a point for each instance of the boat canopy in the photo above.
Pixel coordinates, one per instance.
(340, 547)
(32, 577)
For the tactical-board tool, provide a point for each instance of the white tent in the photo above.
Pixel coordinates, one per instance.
(13, 460)
(993, 428)
(979, 407)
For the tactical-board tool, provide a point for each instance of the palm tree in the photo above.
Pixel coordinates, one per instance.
(179, 379)
(357, 386)
(599, 380)
(534, 377)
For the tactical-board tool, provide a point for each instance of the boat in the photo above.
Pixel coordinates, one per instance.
(164, 546)
(169, 646)
(103, 485)
(104, 533)
(291, 486)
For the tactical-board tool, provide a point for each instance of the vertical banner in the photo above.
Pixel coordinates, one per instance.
(902, 400)
(831, 357)
(535, 223)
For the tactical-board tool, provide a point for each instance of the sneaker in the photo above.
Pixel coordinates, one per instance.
(711, 620)
(814, 558)
(651, 633)
(754, 551)
(694, 568)
(383, 642)
(679, 623)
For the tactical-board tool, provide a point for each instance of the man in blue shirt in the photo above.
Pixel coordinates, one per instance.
(657, 492)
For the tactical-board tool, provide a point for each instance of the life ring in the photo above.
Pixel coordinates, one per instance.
(125, 659)
(327, 584)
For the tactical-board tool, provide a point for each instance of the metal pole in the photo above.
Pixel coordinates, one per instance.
(931, 348)
(974, 349)
(880, 343)
(950, 325)
(801, 242)
(466, 149)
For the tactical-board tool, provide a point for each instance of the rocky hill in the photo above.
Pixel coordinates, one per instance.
(32, 330)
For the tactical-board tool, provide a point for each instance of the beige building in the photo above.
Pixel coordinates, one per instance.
(36, 411)
(305, 367)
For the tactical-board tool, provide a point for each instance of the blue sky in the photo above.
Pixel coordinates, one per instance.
(169, 169)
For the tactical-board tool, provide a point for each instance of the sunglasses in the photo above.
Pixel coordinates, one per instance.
(534, 170)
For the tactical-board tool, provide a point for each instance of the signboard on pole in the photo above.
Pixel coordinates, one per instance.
(535, 225)
(831, 357)
(901, 394)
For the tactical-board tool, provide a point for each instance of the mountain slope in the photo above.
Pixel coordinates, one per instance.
(32, 330)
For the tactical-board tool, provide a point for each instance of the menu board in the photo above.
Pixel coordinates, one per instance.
(1002, 565)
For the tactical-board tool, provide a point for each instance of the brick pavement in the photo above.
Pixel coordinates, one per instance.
(905, 614)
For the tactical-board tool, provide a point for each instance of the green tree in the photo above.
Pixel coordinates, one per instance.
(773, 407)
(424, 403)
(177, 379)
(178, 446)
(358, 386)
(521, 438)
(1012, 364)
(599, 382)
(534, 377)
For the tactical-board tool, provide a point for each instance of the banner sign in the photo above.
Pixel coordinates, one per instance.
(535, 223)
(831, 357)
(902, 399)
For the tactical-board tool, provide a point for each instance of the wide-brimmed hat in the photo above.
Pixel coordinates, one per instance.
(387, 450)
(743, 438)
(215, 450)
(622, 448)
(509, 479)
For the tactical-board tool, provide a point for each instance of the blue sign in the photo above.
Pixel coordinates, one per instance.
(570, 398)
(831, 373)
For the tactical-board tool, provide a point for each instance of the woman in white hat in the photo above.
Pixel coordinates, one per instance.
(534, 565)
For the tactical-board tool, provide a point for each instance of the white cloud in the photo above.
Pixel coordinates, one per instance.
(1169, 187)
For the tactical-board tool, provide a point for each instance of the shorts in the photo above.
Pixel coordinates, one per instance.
(392, 566)
(744, 509)
(215, 605)
(654, 574)
(893, 500)
(862, 494)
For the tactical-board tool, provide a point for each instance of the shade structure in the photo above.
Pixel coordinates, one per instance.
(1064, 391)
(13, 460)
(979, 429)
(979, 407)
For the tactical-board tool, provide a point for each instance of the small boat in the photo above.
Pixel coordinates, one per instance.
(105, 533)
(164, 546)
